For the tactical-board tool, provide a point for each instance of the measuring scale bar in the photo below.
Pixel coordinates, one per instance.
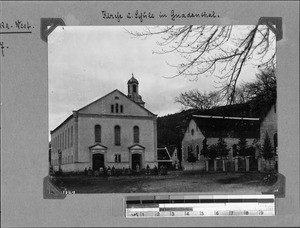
(203, 205)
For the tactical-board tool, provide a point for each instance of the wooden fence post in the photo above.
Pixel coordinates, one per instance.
(247, 164)
(206, 165)
(236, 164)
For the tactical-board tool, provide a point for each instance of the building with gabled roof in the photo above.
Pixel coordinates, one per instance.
(114, 130)
(211, 128)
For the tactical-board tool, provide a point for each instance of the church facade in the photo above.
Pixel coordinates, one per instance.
(115, 130)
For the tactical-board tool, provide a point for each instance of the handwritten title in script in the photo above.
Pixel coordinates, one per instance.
(143, 16)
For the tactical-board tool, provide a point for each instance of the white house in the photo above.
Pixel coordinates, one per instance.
(268, 126)
(211, 128)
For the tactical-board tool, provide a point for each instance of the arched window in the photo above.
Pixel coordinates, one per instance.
(117, 108)
(134, 88)
(197, 152)
(117, 135)
(136, 134)
(97, 133)
(121, 107)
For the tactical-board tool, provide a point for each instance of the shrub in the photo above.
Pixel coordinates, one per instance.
(204, 150)
(267, 149)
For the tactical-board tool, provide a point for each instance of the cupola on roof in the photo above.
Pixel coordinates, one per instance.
(132, 80)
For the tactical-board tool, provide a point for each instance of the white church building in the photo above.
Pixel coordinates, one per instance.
(115, 130)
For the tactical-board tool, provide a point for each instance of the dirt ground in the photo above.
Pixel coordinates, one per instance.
(233, 183)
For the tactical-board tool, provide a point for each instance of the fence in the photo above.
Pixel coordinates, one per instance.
(241, 164)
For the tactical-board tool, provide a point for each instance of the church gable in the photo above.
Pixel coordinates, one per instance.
(193, 132)
(115, 103)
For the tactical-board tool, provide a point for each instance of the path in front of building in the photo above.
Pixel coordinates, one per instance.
(233, 183)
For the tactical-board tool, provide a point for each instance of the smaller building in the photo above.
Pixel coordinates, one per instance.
(164, 158)
(211, 128)
(268, 126)
(174, 156)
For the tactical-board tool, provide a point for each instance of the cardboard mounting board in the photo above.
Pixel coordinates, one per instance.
(24, 110)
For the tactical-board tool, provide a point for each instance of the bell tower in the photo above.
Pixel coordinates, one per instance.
(133, 91)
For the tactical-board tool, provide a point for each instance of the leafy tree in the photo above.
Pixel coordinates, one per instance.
(251, 151)
(218, 150)
(267, 149)
(242, 147)
(214, 50)
(213, 152)
(204, 150)
(222, 149)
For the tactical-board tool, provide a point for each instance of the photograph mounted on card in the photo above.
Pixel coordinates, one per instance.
(153, 109)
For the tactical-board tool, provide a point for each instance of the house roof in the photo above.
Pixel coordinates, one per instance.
(163, 154)
(232, 127)
(171, 149)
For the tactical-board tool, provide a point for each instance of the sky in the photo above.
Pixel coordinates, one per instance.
(87, 62)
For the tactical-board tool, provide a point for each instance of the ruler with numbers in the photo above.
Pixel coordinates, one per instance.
(199, 205)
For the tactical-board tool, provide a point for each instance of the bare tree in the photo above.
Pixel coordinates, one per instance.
(196, 100)
(264, 89)
(214, 50)
(261, 91)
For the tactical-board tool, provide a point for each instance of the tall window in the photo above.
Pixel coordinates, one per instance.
(134, 88)
(197, 152)
(117, 108)
(136, 134)
(71, 136)
(117, 135)
(112, 108)
(98, 133)
(121, 108)
(65, 139)
(68, 137)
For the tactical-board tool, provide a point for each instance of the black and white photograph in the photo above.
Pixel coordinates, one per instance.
(152, 109)
(149, 113)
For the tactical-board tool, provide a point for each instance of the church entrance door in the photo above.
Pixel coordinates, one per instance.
(98, 161)
(136, 160)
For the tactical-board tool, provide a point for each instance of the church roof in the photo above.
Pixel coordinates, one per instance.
(122, 95)
(71, 116)
(133, 80)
